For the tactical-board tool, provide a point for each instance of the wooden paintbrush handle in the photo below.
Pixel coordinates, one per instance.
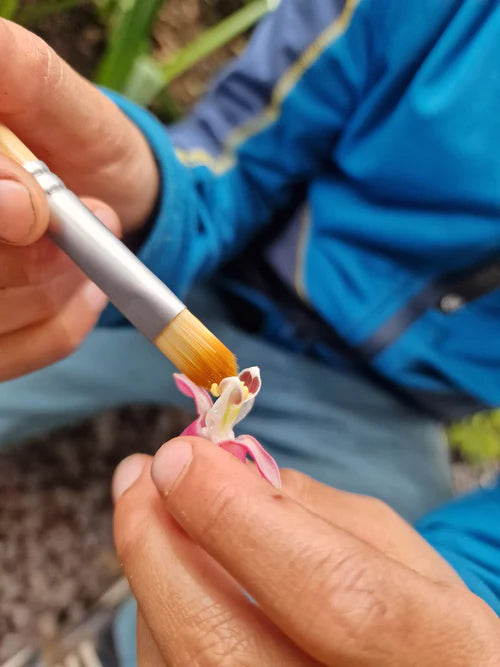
(13, 148)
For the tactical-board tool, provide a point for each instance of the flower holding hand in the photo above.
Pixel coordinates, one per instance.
(334, 578)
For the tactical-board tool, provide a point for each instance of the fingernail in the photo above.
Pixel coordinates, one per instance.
(16, 211)
(105, 215)
(169, 464)
(127, 472)
(95, 297)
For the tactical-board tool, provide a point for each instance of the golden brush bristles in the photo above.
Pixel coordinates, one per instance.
(195, 351)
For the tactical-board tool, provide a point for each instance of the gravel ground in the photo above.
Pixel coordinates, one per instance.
(56, 551)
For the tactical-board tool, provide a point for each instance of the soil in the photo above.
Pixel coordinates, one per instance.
(56, 547)
(178, 24)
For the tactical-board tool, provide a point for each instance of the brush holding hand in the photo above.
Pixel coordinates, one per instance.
(49, 305)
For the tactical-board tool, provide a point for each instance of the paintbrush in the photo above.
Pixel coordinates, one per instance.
(133, 289)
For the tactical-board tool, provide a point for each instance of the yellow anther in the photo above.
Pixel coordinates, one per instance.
(215, 390)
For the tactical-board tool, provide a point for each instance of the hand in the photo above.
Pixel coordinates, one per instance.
(46, 305)
(338, 579)
(67, 122)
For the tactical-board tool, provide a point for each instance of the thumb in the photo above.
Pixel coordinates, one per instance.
(24, 212)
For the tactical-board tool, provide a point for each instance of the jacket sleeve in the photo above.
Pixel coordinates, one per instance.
(270, 121)
(466, 533)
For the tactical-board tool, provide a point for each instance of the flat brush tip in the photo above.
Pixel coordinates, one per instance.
(195, 351)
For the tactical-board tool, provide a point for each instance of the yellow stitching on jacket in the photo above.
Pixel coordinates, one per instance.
(290, 78)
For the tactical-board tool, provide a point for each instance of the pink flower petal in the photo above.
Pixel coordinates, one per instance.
(200, 396)
(235, 449)
(267, 466)
(196, 428)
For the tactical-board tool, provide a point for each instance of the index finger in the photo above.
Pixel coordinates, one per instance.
(338, 598)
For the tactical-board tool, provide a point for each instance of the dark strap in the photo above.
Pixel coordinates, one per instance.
(311, 329)
(480, 283)
(448, 294)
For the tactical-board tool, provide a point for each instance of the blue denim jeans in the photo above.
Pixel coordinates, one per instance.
(334, 425)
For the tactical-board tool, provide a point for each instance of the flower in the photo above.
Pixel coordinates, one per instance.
(216, 420)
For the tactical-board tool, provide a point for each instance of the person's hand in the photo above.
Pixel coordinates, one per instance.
(337, 579)
(46, 305)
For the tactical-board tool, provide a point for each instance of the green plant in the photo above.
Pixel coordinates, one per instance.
(132, 24)
(127, 65)
(149, 77)
(477, 438)
(9, 8)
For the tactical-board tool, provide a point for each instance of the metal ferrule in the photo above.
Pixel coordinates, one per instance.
(137, 293)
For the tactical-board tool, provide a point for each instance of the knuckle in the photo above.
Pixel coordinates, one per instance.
(42, 261)
(129, 522)
(295, 483)
(67, 337)
(45, 65)
(63, 343)
(7, 37)
(70, 332)
(221, 514)
(357, 595)
(47, 304)
(381, 510)
(40, 63)
(219, 641)
(348, 595)
(40, 58)
(75, 338)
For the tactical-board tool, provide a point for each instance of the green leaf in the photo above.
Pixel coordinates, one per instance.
(133, 24)
(216, 37)
(146, 81)
(8, 8)
(477, 438)
(106, 9)
(149, 77)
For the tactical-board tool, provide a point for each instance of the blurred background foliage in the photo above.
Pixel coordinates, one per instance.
(128, 58)
(143, 48)
(477, 439)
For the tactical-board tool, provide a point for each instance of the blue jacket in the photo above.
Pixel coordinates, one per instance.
(356, 146)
